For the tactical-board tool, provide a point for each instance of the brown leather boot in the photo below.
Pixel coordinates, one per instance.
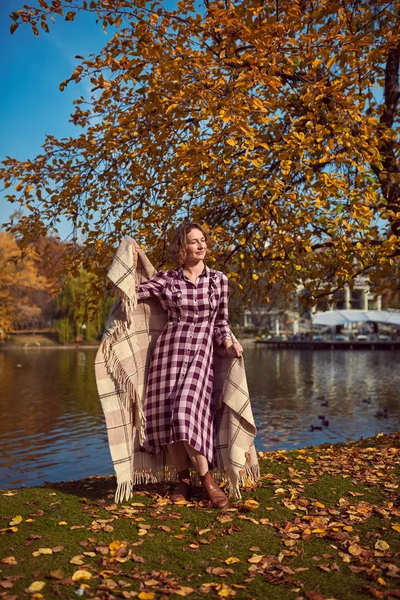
(216, 495)
(184, 488)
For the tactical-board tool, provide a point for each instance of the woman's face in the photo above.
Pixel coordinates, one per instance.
(195, 245)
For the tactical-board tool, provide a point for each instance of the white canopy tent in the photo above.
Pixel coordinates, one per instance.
(331, 318)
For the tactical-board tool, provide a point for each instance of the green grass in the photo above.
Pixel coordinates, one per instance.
(308, 530)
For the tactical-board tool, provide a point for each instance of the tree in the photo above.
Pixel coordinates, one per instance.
(18, 282)
(75, 322)
(275, 123)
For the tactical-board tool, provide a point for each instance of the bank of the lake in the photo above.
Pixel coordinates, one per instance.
(319, 517)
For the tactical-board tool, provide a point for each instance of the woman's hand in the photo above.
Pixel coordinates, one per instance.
(235, 350)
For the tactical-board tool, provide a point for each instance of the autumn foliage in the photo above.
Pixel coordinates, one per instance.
(275, 123)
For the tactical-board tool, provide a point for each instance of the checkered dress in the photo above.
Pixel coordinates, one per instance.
(179, 401)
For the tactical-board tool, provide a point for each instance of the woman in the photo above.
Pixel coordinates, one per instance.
(179, 404)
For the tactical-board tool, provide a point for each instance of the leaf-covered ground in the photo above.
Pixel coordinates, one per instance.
(323, 522)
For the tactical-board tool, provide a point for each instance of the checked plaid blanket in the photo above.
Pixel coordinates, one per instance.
(121, 368)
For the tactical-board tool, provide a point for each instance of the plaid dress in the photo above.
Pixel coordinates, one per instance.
(179, 401)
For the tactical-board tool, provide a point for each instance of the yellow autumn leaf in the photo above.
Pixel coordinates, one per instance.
(251, 504)
(146, 596)
(16, 521)
(81, 574)
(396, 527)
(226, 592)
(77, 560)
(231, 560)
(257, 162)
(36, 586)
(62, 523)
(115, 546)
(255, 276)
(40, 551)
(381, 545)
(355, 549)
(170, 107)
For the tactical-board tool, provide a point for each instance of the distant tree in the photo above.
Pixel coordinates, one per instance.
(76, 322)
(19, 280)
(275, 123)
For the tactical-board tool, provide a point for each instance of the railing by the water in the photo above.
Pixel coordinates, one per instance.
(332, 344)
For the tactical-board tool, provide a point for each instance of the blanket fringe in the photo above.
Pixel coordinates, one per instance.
(142, 477)
(124, 491)
(129, 303)
(119, 375)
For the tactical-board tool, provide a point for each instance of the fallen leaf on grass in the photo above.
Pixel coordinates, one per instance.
(396, 527)
(224, 519)
(223, 590)
(381, 545)
(36, 586)
(231, 560)
(9, 560)
(137, 558)
(255, 559)
(9, 530)
(151, 582)
(183, 591)
(250, 504)
(311, 595)
(81, 574)
(147, 595)
(355, 549)
(15, 521)
(77, 560)
(220, 571)
(6, 584)
(42, 551)
(115, 546)
(57, 574)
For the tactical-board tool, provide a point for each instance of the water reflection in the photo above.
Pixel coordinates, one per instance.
(348, 389)
(52, 426)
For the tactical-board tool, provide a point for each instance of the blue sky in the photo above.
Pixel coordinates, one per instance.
(31, 69)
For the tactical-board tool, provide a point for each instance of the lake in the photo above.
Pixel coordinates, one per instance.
(52, 426)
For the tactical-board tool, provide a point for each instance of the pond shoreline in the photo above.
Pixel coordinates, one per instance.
(49, 347)
(245, 341)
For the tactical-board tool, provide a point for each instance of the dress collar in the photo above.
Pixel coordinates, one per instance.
(204, 273)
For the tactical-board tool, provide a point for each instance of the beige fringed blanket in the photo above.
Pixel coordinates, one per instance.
(121, 367)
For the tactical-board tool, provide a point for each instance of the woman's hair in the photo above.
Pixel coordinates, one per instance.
(179, 241)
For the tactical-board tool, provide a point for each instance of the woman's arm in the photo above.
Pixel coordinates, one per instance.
(222, 333)
(152, 287)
